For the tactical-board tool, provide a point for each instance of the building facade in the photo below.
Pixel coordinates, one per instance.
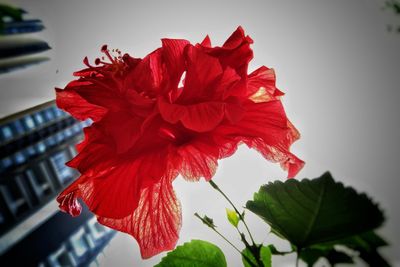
(35, 144)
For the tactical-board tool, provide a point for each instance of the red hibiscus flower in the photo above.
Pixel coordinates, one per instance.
(176, 111)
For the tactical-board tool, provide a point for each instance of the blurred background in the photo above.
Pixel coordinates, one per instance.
(337, 61)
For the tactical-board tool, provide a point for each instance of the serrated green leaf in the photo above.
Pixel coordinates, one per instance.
(196, 253)
(275, 251)
(233, 218)
(265, 257)
(309, 212)
(366, 244)
(312, 255)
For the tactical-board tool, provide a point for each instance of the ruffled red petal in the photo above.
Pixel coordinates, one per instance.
(156, 223)
(202, 71)
(147, 77)
(68, 200)
(266, 128)
(114, 192)
(261, 85)
(77, 106)
(197, 159)
(95, 152)
(200, 117)
(235, 53)
(174, 59)
(125, 135)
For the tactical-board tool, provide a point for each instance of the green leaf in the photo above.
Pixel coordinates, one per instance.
(367, 245)
(275, 251)
(312, 255)
(196, 253)
(233, 218)
(265, 257)
(309, 212)
(249, 256)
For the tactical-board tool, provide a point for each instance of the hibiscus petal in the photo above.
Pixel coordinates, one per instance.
(94, 152)
(261, 85)
(227, 85)
(235, 53)
(206, 41)
(278, 153)
(266, 128)
(202, 71)
(156, 223)
(173, 58)
(266, 120)
(77, 106)
(197, 159)
(236, 39)
(68, 199)
(203, 117)
(234, 110)
(200, 117)
(148, 74)
(172, 113)
(126, 134)
(137, 104)
(114, 192)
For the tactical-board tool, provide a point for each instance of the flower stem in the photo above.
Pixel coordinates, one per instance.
(215, 230)
(215, 186)
(223, 237)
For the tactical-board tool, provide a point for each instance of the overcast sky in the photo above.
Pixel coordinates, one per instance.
(334, 59)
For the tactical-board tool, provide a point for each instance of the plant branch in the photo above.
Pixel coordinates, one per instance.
(215, 230)
(223, 237)
(215, 186)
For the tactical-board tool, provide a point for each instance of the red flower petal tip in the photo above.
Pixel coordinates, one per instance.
(70, 204)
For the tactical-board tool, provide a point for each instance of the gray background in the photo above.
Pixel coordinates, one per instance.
(335, 61)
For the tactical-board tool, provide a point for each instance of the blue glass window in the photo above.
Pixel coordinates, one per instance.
(19, 158)
(79, 243)
(38, 118)
(17, 127)
(59, 137)
(57, 112)
(50, 141)
(48, 114)
(28, 123)
(6, 132)
(68, 132)
(40, 147)
(76, 129)
(64, 173)
(61, 257)
(29, 151)
(5, 163)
